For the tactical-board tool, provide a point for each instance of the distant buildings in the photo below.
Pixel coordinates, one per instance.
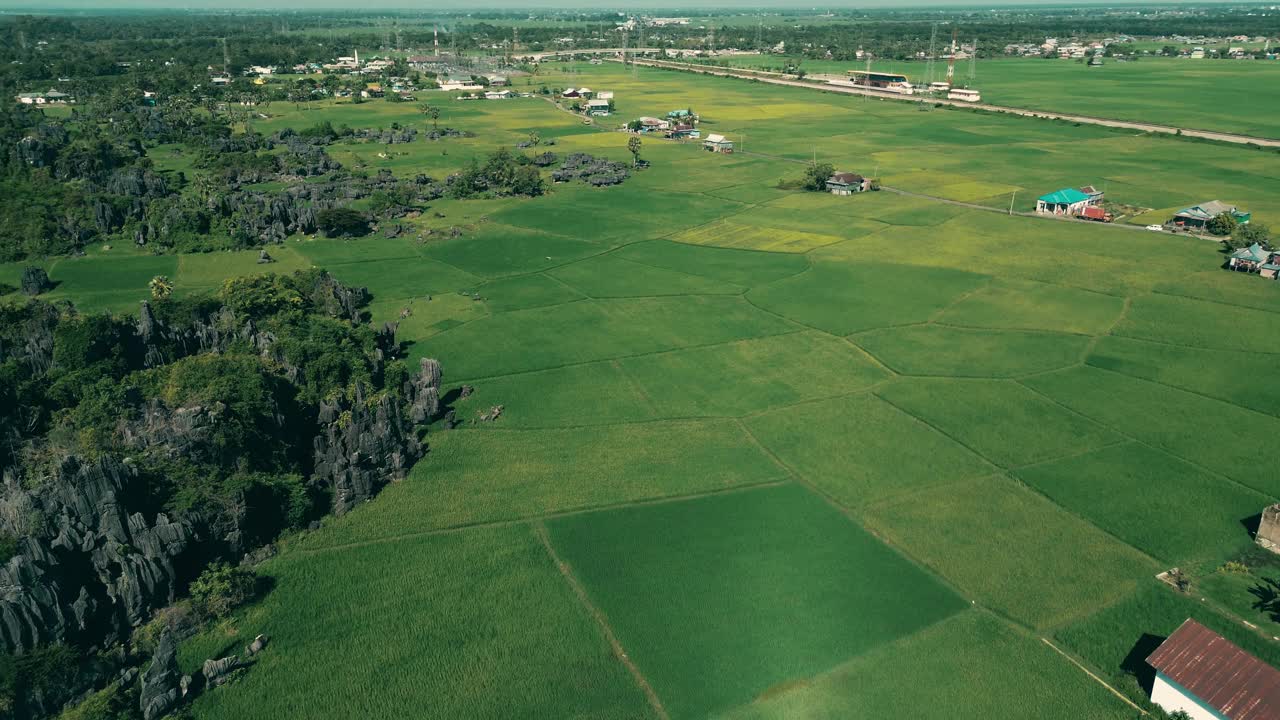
(717, 143)
(1259, 260)
(1068, 201)
(1198, 216)
(1204, 675)
(53, 97)
(847, 183)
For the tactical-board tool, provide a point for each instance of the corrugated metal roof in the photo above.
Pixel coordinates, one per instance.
(1066, 196)
(1235, 683)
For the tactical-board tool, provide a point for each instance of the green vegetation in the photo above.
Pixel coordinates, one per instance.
(712, 399)
(1012, 549)
(1002, 669)
(486, 604)
(775, 585)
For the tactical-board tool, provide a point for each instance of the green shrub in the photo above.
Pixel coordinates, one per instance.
(221, 589)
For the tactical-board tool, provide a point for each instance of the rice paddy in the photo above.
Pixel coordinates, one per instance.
(770, 453)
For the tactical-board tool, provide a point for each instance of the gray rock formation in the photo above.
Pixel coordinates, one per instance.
(161, 683)
(35, 281)
(88, 567)
(1268, 535)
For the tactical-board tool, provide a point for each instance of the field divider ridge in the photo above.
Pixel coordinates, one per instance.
(540, 530)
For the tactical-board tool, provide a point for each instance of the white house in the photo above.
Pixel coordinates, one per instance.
(598, 107)
(717, 143)
(1201, 673)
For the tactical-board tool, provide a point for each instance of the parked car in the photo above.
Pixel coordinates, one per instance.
(1156, 228)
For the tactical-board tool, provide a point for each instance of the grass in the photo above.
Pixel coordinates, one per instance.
(1002, 421)
(1132, 407)
(543, 338)
(752, 375)
(589, 394)
(1196, 323)
(964, 352)
(1222, 374)
(1012, 549)
(499, 475)
(867, 451)
(391, 617)
(1002, 668)
(526, 291)
(845, 298)
(774, 586)
(1012, 305)
(497, 250)
(731, 266)
(613, 276)
(1155, 502)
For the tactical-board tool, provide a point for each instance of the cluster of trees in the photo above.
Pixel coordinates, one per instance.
(1237, 235)
(503, 173)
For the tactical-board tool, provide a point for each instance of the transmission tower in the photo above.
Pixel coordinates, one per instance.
(928, 68)
(951, 61)
(760, 33)
(973, 62)
(226, 57)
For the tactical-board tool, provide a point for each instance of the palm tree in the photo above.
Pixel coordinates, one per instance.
(161, 287)
(633, 145)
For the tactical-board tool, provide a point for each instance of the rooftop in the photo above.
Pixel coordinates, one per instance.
(1066, 196)
(1233, 682)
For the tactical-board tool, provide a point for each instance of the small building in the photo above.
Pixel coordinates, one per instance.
(681, 116)
(847, 183)
(1068, 201)
(498, 95)
(1249, 259)
(717, 143)
(598, 107)
(571, 93)
(682, 131)
(496, 80)
(964, 95)
(653, 124)
(604, 95)
(1198, 216)
(1095, 195)
(373, 90)
(1201, 673)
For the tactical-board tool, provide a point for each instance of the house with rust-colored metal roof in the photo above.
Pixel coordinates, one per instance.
(1204, 675)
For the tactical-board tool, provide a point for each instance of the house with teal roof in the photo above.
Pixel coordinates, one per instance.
(1067, 201)
(1255, 259)
(1198, 216)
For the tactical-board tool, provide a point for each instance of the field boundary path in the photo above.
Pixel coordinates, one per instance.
(1089, 672)
(781, 79)
(655, 702)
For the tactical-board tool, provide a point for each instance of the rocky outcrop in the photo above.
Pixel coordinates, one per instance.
(35, 281)
(92, 562)
(162, 681)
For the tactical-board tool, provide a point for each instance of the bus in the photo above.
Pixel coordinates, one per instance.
(892, 82)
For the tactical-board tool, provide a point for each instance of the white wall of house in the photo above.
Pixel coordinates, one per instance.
(1173, 697)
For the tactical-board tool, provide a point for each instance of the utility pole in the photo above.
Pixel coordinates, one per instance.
(928, 68)
(1015, 197)
(951, 61)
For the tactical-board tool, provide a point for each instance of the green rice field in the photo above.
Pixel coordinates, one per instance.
(768, 453)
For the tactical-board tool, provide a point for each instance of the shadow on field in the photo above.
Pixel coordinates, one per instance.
(1251, 524)
(1135, 663)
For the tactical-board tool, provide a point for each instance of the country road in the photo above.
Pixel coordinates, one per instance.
(780, 79)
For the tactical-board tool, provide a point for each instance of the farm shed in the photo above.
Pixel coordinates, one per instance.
(1199, 215)
(1204, 675)
(1068, 201)
(847, 183)
(718, 143)
(598, 107)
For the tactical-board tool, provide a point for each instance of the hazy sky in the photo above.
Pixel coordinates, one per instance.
(428, 5)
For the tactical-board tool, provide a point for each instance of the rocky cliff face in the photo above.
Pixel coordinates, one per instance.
(92, 562)
(96, 556)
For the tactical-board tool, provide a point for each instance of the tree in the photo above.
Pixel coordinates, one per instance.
(633, 145)
(1223, 224)
(342, 222)
(161, 287)
(432, 112)
(1250, 233)
(815, 178)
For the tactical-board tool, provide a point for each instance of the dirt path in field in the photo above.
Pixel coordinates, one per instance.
(780, 79)
(541, 531)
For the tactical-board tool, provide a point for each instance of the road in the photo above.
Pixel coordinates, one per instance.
(780, 79)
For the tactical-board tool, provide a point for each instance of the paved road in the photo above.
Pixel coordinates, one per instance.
(780, 79)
